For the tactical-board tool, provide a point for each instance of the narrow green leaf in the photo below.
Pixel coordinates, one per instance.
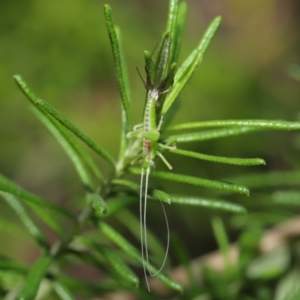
(11, 188)
(15, 231)
(149, 64)
(62, 291)
(66, 135)
(126, 124)
(8, 264)
(221, 159)
(183, 256)
(71, 148)
(155, 194)
(287, 198)
(100, 264)
(172, 15)
(260, 219)
(219, 204)
(47, 108)
(155, 247)
(288, 287)
(34, 278)
(228, 187)
(50, 218)
(26, 219)
(121, 76)
(269, 265)
(117, 264)
(119, 203)
(263, 124)
(116, 238)
(188, 67)
(127, 183)
(162, 60)
(162, 196)
(269, 179)
(171, 25)
(185, 71)
(211, 134)
(180, 22)
(223, 242)
(98, 203)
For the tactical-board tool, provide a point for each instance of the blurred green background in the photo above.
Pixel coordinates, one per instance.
(62, 50)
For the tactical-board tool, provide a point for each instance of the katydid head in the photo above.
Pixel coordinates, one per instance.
(154, 93)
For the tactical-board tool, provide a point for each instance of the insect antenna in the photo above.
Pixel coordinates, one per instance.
(143, 79)
(142, 208)
(145, 228)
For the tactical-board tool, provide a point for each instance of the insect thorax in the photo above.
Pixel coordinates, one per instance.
(153, 93)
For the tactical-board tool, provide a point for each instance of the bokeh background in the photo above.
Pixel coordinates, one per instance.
(62, 50)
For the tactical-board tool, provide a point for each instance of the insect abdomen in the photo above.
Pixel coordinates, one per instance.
(149, 116)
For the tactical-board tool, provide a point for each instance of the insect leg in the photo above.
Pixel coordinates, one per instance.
(135, 160)
(162, 146)
(134, 133)
(164, 160)
(160, 123)
(138, 126)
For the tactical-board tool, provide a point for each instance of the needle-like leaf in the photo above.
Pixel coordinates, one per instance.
(28, 221)
(34, 278)
(218, 204)
(119, 240)
(179, 26)
(116, 263)
(11, 188)
(211, 184)
(98, 203)
(291, 198)
(269, 179)
(171, 25)
(47, 108)
(262, 124)
(211, 134)
(223, 242)
(62, 291)
(188, 67)
(73, 150)
(155, 194)
(155, 247)
(221, 159)
(162, 60)
(122, 78)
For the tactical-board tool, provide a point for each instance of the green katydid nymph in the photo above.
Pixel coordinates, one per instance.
(158, 81)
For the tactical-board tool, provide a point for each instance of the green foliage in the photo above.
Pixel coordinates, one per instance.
(108, 197)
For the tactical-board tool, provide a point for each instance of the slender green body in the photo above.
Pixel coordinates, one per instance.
(150, 130)
(157, 82)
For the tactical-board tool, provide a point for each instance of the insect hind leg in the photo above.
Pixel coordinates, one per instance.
(164, 160)
(162, 146)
